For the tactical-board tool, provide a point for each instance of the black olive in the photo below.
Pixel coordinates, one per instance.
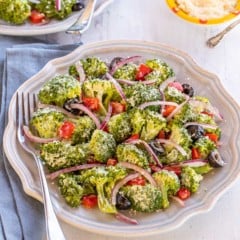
(157, 147)
(215, 159)
(187, 89)
(67, 107)
(78, 6)
(114, 61)
(195, 131)
(122, 202)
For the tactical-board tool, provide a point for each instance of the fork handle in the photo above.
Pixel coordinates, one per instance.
(84, 20)
(54, 231)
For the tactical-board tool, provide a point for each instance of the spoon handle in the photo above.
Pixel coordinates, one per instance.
(213, 41)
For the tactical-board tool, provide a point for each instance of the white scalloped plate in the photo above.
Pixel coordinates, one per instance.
(213, 185)
(53, 26)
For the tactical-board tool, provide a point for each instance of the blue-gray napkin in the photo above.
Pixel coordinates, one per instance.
(21, 216)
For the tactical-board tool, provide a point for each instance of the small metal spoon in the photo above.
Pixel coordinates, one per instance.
(84, 20)
(213, 41)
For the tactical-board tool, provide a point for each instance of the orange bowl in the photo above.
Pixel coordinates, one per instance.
(174, 7)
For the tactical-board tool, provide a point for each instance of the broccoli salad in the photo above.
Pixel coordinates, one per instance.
(125, 135)
(37, 11)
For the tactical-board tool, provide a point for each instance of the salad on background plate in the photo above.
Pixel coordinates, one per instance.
(134, 137)
(35, 17)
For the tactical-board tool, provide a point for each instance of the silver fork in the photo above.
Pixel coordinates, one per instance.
(83, 22)
(24, 108)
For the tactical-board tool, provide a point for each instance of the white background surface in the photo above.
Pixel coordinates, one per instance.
(151, 20)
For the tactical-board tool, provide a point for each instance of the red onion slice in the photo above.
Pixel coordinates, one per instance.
(125, 219)
(36, 139)
(120, 184)
(177, 109)
(88, 112)
(142, 171)
(178, 200)
(81, 73)
(107, 118)
(55, 174)
(204, 125)
(58, 5)
(166, 82)
(148, 148)
(194, 163)
(117, 86)
(157, 103)
(123, 62)
(177, 146)
(208, 107)
(58, 109)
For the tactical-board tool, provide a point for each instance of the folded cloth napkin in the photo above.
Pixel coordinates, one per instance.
(21, 217)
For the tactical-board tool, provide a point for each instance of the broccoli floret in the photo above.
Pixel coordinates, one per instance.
(204, 146)
(15, 11)
(127, 71)
(147, 123)
(168, 183)
(70, 189)
(180, 136)
(57, 155)
(103, 90)
(145, 198)
(141, 93)
(93, 68)
(104, 179)
(120, 126)
(133, 154)
(186, 114)
(102, 145)
(48, 8)
(160, 68)
(59, 89)
(190, 179)
(174, 95)
(46, 122)
(84, 127)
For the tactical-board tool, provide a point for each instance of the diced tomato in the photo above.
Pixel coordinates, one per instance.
(91, 103)
(66, 130)
(118, 107)
(112, 162)
(37, 17)
(161, 135)
(167, 110)
(183, 193)
(208, 113)
(133, 137)
(90, 201)
(176, 85)
(176, 169)
(195, 153)
(137, 181)
(142, 71)
(212, 136)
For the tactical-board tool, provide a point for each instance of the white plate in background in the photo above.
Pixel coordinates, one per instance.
(53, 26)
